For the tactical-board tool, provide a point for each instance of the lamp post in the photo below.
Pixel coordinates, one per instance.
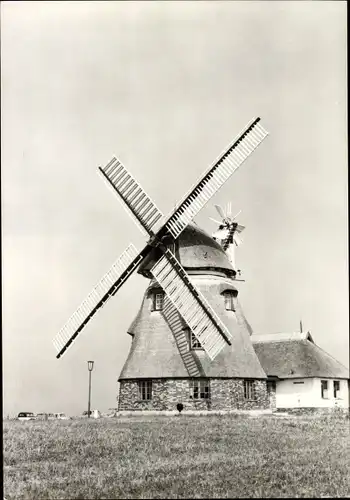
(90, 368)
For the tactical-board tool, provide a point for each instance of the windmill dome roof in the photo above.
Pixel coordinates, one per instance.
(196, 250)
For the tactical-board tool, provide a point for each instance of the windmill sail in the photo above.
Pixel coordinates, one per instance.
(130, 191)
(237, 239)
(103, 291)
(193, 307)
(216, 176)
(220, 211)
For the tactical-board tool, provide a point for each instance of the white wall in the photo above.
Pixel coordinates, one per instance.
(308, 394)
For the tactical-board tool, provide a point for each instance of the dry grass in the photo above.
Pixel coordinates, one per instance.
(177, 457)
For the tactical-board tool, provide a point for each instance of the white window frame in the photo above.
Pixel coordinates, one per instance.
(249, 390)
(200, 389)
(145, 390)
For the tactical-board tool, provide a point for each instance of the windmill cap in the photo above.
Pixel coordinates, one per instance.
(196, 250)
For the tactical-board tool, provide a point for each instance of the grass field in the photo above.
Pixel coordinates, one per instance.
(177, 457)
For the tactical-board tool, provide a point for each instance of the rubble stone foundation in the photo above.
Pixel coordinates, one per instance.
(225, 394)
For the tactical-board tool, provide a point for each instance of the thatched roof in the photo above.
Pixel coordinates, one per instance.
(195, 250)
(295, 356)
(239, 359)
(154, 352)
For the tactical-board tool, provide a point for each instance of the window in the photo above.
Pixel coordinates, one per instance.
(249, 390)
(336, 388)
(158, 300)
(298, 382)
(229, 301)
(194, 342)
(324, 389)
(145, 390)
(199, 389)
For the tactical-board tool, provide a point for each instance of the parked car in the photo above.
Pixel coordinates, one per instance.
(41, 416)
(45, 416)
(26, 415)
(61, 416)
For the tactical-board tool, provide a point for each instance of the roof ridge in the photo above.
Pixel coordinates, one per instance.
(282, 337)
(279, 333)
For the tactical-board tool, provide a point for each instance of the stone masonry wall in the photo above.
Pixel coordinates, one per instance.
(226, 394)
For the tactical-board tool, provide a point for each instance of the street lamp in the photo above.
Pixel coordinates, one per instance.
(90, 368)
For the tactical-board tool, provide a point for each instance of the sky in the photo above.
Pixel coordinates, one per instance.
(165, 86)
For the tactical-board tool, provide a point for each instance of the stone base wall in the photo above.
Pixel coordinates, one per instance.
(225, 394)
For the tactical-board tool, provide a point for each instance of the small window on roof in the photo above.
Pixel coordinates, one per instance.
(229, 297)
(158, 300)
(194, 342)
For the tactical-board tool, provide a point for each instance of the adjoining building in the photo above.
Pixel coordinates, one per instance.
(300, 374)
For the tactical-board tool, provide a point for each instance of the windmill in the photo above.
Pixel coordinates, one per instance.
(228, 232)
(202, 320)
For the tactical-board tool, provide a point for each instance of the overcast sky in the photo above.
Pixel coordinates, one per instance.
(165, 86)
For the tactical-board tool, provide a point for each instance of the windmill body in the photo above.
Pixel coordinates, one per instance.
(166, 365)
